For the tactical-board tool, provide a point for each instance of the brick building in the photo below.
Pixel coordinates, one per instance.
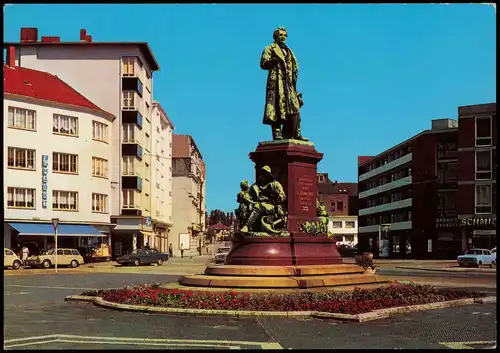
(422, 198)
(341, 201)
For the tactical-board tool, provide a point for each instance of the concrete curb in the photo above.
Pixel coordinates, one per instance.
(447, 269)
(370, 316)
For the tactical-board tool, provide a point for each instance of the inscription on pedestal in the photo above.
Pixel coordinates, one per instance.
(305, 193)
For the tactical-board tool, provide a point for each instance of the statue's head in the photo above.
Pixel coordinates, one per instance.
(244, 185)
(280, 35)
(266, 174)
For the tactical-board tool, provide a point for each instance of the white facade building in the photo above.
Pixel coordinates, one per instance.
(161, 173)
(344, 228)
(57, 158)
(118, 77)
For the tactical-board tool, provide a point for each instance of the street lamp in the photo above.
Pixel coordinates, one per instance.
(55, 223)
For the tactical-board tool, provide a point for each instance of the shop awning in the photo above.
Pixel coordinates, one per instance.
(66, 230)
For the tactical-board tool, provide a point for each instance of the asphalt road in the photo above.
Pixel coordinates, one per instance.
(36, 317)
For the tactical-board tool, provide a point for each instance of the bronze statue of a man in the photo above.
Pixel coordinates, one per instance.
(282, 100)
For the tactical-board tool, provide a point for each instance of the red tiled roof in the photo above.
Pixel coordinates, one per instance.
(44, 86)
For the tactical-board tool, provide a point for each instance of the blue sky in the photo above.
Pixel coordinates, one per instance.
(371, 75)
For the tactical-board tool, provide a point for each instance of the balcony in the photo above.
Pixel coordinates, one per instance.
(131, 101)
(131, 166)
(132, 117)
(394, 226)
(386, 207)
(132, 84)
(132, 150)
(447, 155)
(131, 202)
(131, 134)
(386, 167)
(132, 182)
(386, 187)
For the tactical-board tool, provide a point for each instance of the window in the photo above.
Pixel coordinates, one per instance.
(22, 118)
(128, 66)
(337, 224)
(8, 252)
(483, 165)
(409, 215)
(59, 252)
(349, 224)
(340, 206)
(99, 167)
(64, 200)
(483, 131)
(99, 131)
(75, 252)
(147, 141)
(20, 198)
(21, 158)
(128, 100)
(128, 165)
(128, 198)
(128, 133)
(67, 252)
(483, 199)
(332, 203)
(65, 125)
(64, 163)
(147, 172)
(100, 203)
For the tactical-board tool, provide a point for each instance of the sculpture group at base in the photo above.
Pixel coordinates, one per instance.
(261, 210)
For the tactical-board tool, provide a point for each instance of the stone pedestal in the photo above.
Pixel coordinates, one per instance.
(293, 164)
(296, 250)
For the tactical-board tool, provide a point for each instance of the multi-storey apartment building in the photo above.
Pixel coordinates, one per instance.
(341, 202)
(161, 166)
(117, 76)
(477, 165)
(188, 190)
(56, 165)
(424, 197)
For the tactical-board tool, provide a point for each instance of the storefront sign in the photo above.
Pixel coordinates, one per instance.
(449, 222)
(479, 221)
(147, 221)
(45, 173)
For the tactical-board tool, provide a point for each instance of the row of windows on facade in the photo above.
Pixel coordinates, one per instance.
(485, 203)
(22, 158)
(483, 137)
(68, 200)
(403, 216)
(22, 118)
(446, 172)
(340, 224)
(388, 198)
(396, 248)
(61, 200)
(69, 125)
(385, 179)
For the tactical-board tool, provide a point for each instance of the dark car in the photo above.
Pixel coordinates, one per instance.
(143, 257)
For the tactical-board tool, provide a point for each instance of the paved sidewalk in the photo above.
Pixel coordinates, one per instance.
(455, 268)
(177, 261)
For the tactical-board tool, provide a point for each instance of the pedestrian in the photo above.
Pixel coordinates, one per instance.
(170, 250)
(182, 250)
(25, 253)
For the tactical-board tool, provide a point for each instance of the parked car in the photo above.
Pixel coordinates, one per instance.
(220, 255)
(47, 259)
(10, 259)
(143, 257)
(477, 257)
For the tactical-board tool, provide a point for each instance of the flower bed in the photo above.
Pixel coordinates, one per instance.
(356, 302)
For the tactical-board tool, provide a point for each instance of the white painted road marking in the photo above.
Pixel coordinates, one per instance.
(18, 342)
(48, 287)
(468, 345)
